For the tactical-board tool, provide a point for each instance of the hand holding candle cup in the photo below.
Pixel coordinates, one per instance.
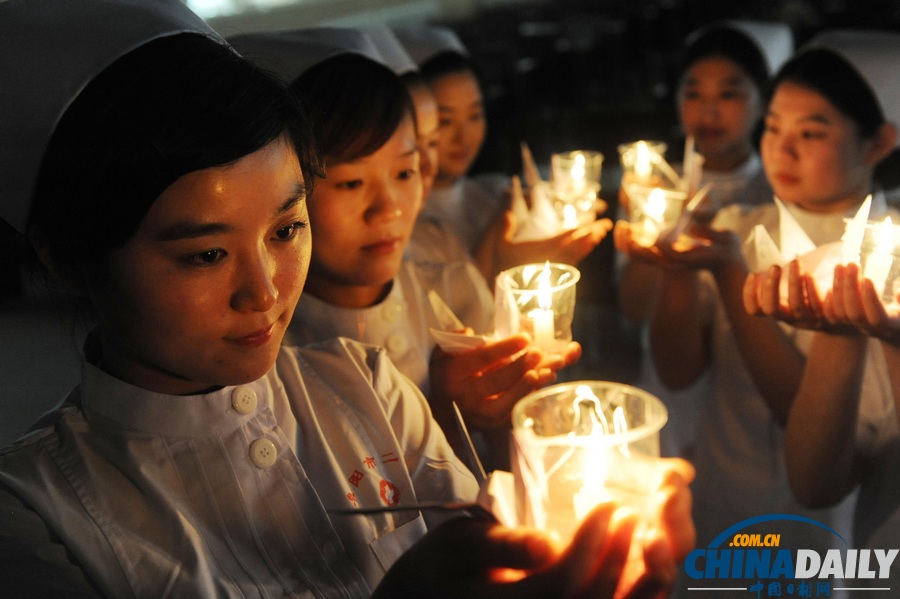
(575, 184)
(538, 299)
(654, 210)
(877, 258)
(641, 161)
(576, 445)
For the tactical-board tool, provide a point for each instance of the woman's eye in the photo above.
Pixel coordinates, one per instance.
(353, 184)
(406, 174)
(289, 232)
(207, 258)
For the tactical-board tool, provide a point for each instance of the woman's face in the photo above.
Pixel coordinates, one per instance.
(719, 105)
(462, 124)
(812, 152)
(201, 295)
(428, 134)
(363, 214)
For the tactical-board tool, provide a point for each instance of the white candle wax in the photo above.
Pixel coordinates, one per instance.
(543, 327)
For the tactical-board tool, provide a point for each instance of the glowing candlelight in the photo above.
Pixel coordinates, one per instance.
(538, 299)
(570, 216)
(879, 262)
(643, 162)
(578, 444)
(654, 213)
(577, 173)
(542, 316)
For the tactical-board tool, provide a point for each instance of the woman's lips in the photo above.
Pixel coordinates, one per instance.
(387, 246)
(786, 179)
(257, 338)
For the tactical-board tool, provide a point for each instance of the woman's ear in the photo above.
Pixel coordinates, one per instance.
(882, 143)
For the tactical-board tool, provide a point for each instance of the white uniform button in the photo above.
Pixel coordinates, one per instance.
(243, 400)
(397, 344)
(391, 311)
(263, 453)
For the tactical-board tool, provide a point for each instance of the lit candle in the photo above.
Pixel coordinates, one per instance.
(570, 217)
(879, 262)
(654, 211)
(577, 173)
(643, 162)
(578, 444)
(542, 317)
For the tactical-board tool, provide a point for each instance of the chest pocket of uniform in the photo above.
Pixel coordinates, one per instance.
(390, 546)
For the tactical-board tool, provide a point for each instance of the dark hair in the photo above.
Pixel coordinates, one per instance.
(829, 74)
(413, 80)
(356, 103)
(447, 63)
(174, 105)
(734, 45)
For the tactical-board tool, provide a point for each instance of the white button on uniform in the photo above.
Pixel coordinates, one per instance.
(243, 400)
(263, 453)
(396, 344)
(391, 311)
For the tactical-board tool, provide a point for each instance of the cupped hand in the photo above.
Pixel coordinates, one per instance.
(665, 538)
(704, 248)
(804, 306)
(485, 382)
(855, 301)
(475, 559)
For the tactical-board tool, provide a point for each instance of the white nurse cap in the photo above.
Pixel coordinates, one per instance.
(289, 54)
(426, 42)
(49, 51)
(775, 41)
(876, 57)
(391, 50)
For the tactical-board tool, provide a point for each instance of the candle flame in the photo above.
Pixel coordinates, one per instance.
(545, 293)
(590, 420)
(642, 160)
(655, 207)
(577, 171)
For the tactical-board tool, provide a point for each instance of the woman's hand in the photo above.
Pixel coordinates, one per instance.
(485, 382)
(855, 301)
(469, 558)
(497, 250)
(804, 306)
(705, 248)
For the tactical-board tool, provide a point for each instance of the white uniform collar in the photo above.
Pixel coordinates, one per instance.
(136, 409)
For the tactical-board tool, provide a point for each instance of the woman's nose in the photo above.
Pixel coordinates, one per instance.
(256, 290)
(386, 206)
